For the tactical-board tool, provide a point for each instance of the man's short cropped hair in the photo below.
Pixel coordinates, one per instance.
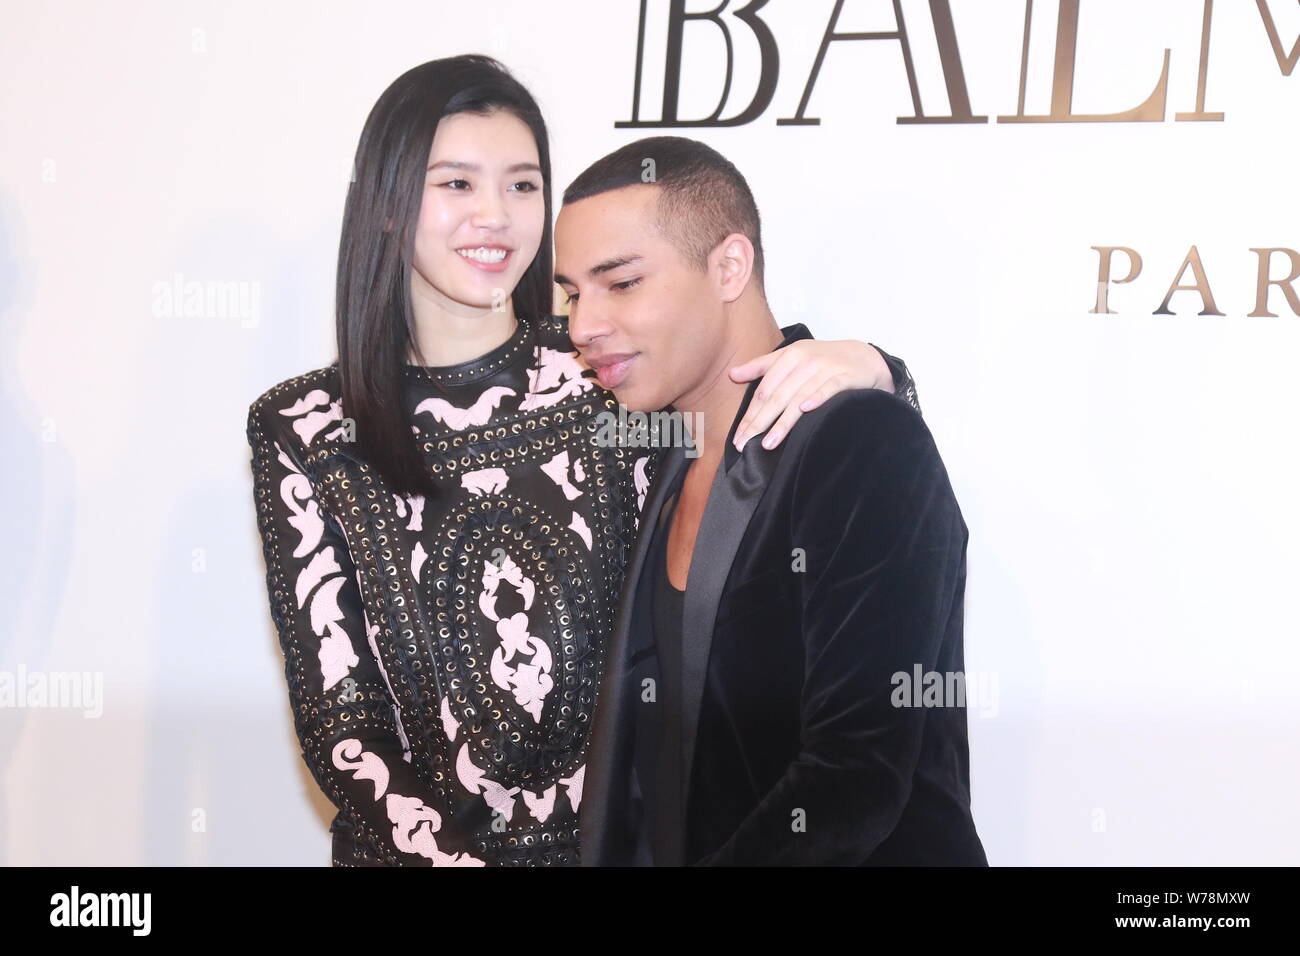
(703, 197)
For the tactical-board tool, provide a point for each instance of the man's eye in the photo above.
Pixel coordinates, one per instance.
(625, 285)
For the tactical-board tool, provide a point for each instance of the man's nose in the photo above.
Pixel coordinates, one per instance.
(585, 326)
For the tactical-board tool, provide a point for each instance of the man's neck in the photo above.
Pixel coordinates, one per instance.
(717, 398)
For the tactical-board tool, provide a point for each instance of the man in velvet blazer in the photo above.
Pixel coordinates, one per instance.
(822, 574)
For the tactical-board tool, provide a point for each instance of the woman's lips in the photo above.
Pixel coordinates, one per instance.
(611, 376)
(488, 266)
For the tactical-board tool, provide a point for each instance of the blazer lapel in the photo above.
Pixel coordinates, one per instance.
(608, 751)
(737, 488)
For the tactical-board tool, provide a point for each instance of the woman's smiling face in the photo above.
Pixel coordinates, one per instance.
(483, 214)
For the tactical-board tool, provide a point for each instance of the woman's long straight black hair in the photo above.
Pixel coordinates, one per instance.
(376, 324)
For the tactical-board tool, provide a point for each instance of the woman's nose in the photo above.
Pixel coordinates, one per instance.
(491, 211)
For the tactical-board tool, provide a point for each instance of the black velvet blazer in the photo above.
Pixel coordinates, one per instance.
(823, 569)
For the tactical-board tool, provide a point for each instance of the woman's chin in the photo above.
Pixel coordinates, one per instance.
(491, 292)
(489, 300)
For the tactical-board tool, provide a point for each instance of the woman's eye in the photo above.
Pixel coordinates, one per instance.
(457, 184)
(570, 299)
(525, 186)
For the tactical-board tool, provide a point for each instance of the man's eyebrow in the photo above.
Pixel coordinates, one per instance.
(473, 167)
(601, 267)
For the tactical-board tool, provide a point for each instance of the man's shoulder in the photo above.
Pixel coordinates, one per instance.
(866, 452)
(858, 419)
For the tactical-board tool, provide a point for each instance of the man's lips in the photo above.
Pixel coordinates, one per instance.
(480, 257)
(613, 368)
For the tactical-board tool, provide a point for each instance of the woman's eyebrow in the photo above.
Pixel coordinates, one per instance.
(474, 167)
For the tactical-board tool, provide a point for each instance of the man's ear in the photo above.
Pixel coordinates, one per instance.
(732, 260)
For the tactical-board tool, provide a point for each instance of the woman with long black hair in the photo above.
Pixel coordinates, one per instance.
(444, 540)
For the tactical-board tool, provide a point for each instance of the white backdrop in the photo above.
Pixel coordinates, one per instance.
(1128, 479)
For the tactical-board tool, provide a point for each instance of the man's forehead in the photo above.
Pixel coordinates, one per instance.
(626, 203)
(603, 228)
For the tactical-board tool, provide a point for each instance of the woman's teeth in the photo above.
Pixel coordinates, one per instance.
(483, 254)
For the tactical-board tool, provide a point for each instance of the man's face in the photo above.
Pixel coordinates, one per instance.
(647, 320)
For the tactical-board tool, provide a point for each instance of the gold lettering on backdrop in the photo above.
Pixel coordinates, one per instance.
(1152, 110)
(1200, 115)
(1202, 286)
(1024, 58)
(1263, 282)
(678, 17)
(1103, 274)
(954, 77)
(1286, 61)
(1264, 261)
